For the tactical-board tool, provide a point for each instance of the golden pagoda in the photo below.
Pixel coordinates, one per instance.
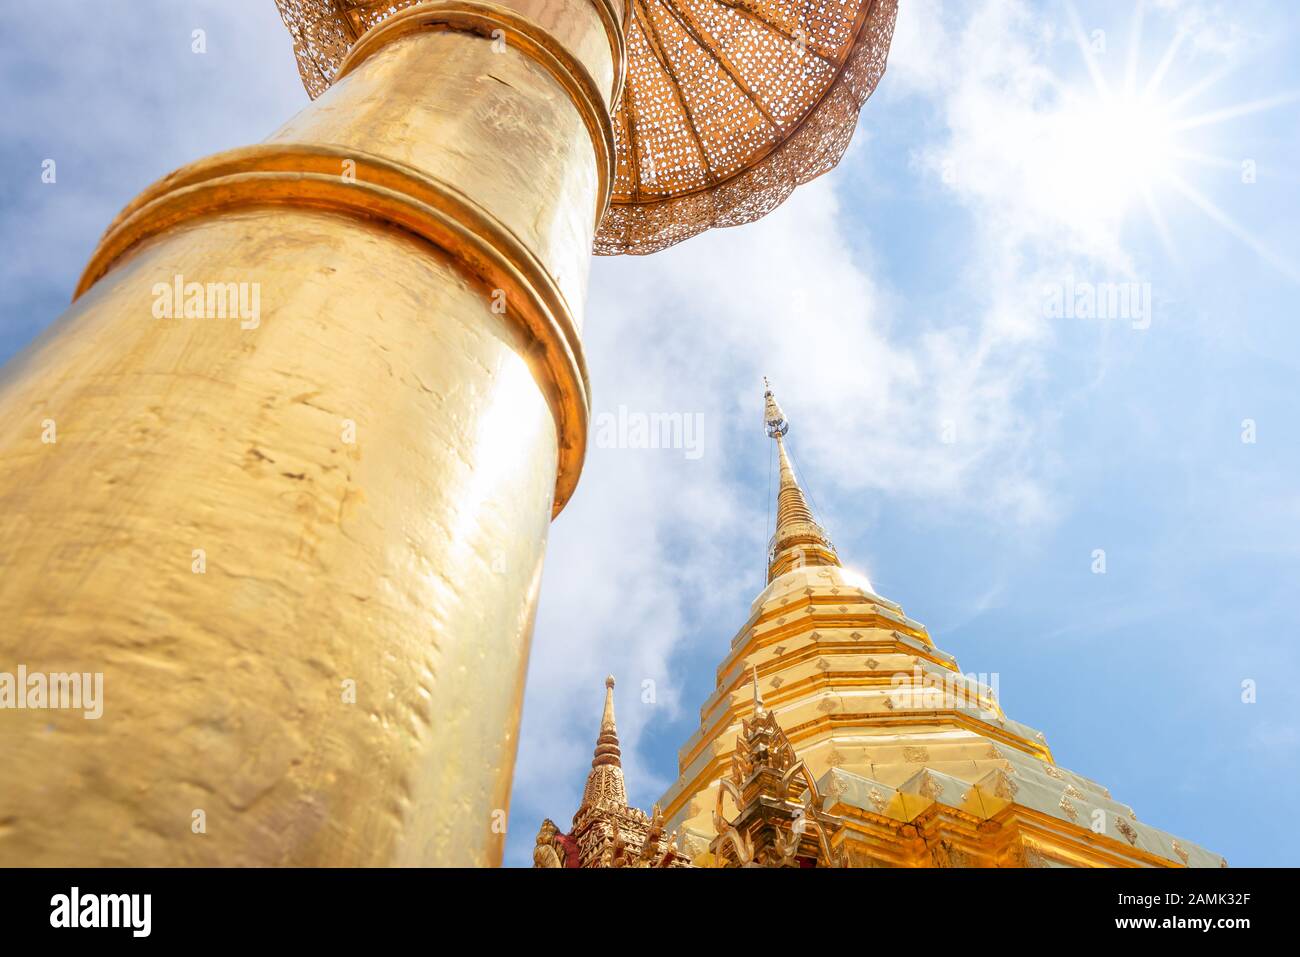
(840, 735)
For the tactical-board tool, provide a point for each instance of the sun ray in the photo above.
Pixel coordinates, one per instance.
(1199, 87)
(1206, 159)
(1162, 228)
(1134, 47)
(1226, 222)
(1094, 69)
(1166, 61)
(1241, 109)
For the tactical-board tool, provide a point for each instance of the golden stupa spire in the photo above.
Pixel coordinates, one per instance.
(799, 540)
(893, 738)
(605, 785)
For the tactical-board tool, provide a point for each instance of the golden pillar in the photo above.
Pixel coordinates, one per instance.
(302, 539)
(283, 473)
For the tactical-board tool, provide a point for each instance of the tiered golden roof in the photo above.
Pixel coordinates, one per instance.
(917, 759)
(728, 105)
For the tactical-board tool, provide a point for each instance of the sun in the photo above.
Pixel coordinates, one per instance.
(1120, 144)
(1107, 152)
(1123, 146)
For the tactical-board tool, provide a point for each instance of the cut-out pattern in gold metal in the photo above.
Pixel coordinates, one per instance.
(727, 105)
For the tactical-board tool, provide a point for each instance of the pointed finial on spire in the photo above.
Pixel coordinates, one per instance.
(774, 421)
(758, 697)
(799, 540)
(607, 718)
(605, 781)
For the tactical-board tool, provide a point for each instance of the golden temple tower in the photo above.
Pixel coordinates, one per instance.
(283, 472)
(915, 760)
(606, 831)
(840, 735)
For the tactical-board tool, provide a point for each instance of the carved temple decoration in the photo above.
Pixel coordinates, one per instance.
(779, 821)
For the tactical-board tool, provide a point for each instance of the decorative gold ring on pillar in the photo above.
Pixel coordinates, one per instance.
(617, 48)
(484, 19)
(311, 176)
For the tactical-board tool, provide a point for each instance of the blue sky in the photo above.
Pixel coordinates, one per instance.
(966, 449)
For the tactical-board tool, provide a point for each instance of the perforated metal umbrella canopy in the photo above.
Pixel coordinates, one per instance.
(728, 105)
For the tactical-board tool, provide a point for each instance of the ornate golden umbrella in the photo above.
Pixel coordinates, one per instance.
(728, 105)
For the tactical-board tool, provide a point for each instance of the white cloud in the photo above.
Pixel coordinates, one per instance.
(871, 385)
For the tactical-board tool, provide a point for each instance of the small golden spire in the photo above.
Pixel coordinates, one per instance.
(799, 540)
(758, 697)
(605, 783)
(607, 749)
